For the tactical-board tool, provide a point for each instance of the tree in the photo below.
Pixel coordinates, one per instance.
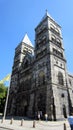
(3, 93)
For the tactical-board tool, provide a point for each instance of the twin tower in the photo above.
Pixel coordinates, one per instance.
(40, 82)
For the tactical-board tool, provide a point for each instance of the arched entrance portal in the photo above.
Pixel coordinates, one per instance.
(24, 108)
(64, 111)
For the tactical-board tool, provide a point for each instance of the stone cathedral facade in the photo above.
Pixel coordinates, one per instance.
(40, 82)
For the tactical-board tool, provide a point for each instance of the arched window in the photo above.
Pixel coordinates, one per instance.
(60, 78)
(52, 27)
(25, 63)
(57, 30)
(58, 42)
(62, 95)
(53, 38)
(41, 78)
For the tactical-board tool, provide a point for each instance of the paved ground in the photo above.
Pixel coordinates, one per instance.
(2, 128)
(28, 124)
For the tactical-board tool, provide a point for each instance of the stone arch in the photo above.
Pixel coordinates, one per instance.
(60, 78)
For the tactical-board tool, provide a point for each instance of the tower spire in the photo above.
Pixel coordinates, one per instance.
(27, 40)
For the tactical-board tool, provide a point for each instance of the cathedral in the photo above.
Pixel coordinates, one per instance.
(40, 82)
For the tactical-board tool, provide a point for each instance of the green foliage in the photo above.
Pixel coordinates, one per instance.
(3, 93)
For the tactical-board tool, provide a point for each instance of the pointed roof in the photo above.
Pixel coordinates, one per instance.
(27, 40)
(46, 15)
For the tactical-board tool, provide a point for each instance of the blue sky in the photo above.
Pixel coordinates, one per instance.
(20, 16)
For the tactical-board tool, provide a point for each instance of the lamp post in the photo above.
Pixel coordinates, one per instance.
(6, 100)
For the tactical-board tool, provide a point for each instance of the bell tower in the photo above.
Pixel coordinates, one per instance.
(25, 47)
(59, 104)
(49, 45)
